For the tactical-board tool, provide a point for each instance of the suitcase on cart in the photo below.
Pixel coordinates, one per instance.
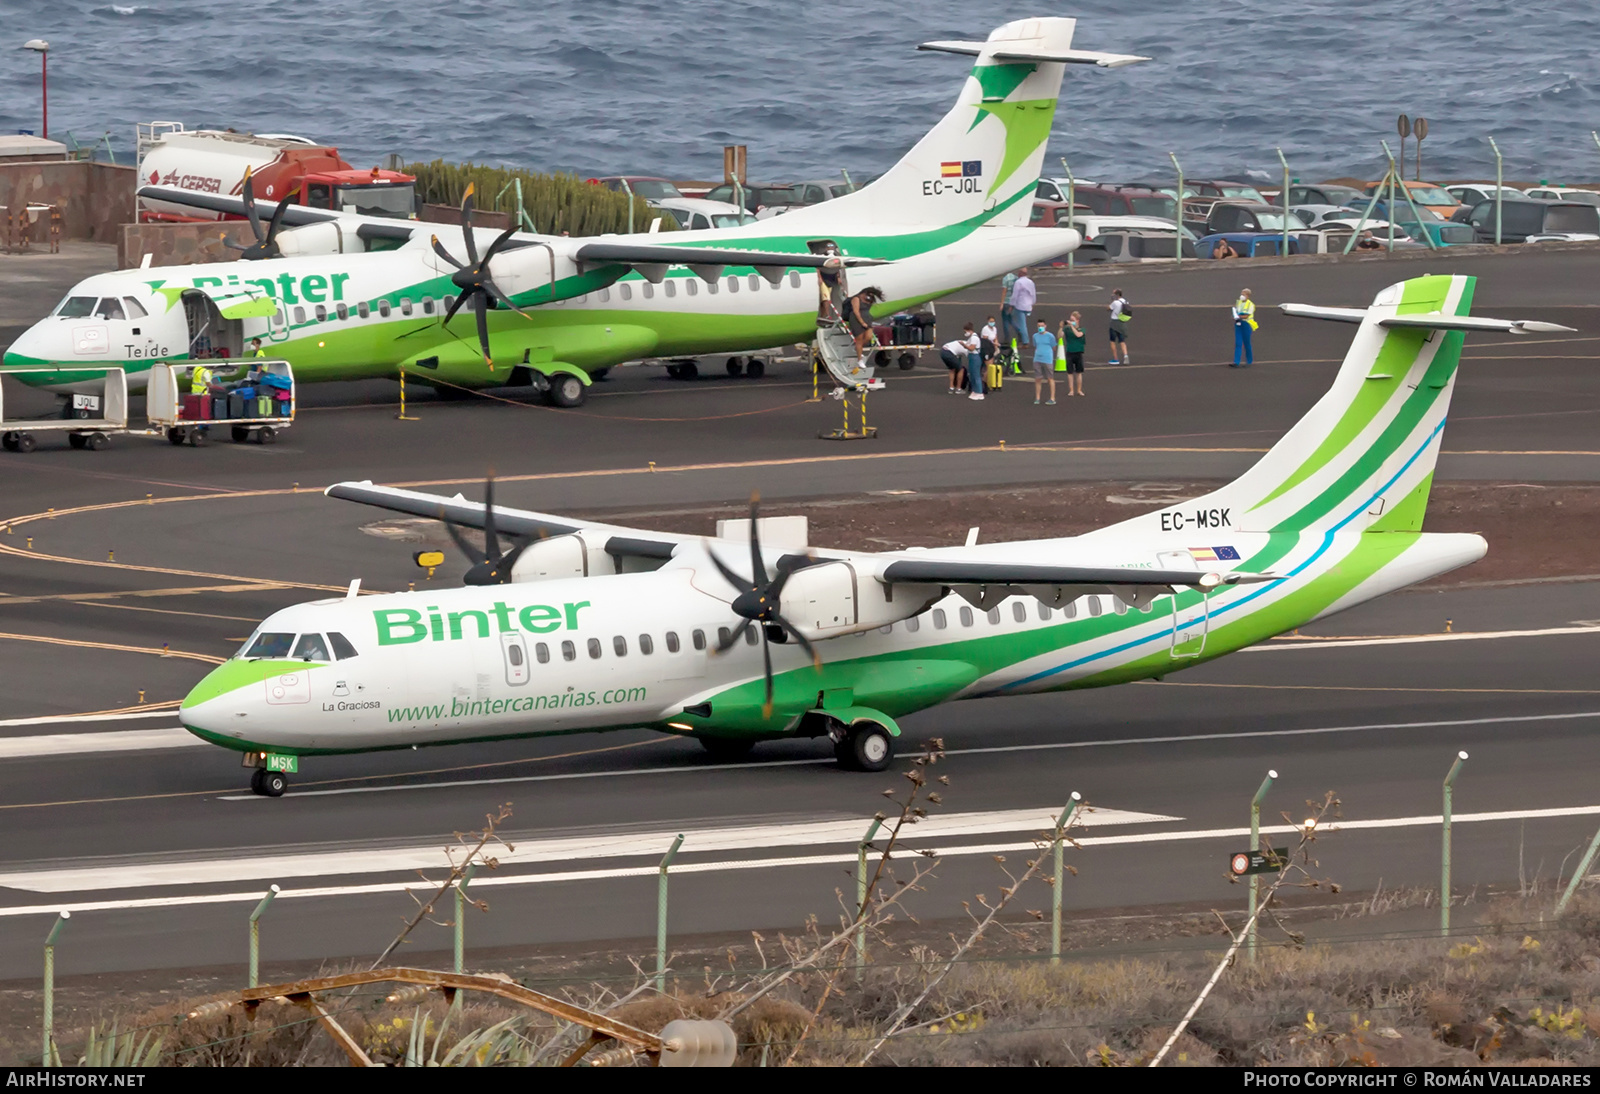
(236, 406)
(219, 406)
(195, 408)
(264, 406)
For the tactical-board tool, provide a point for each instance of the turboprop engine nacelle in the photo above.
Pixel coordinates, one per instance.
(574, 555)
(835, 598)
(323, 238)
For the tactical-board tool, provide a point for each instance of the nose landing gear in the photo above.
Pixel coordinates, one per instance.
(269, 784)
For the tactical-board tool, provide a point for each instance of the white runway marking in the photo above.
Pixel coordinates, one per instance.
(1088, 842)
(77, 744)
(531, 852)
(1273, 646)
(63, 719)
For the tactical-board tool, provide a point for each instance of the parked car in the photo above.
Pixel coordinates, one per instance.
(1444, 233)
(810, 192)
(1322, 193)
(1424, 194)
(1108, 201)
(1226, 217)
(1565, 193)
(1314, 215)
(1471, 193)
(1248, 244)
(695, 214)
(1226, 188)
(1129, 239)
(1533, 221)
(650, 188)
(756, 196)
(1053, 214)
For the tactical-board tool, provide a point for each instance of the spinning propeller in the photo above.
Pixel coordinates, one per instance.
(759, 599)
(489, 566)
(266, 244)
(473, 279)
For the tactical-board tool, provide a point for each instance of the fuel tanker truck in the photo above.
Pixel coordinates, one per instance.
(214, 161)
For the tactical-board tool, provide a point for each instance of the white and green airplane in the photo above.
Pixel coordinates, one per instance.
(344, 296)
(578, 627)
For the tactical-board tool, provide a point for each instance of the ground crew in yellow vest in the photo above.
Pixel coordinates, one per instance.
(200, 380)
(1244, 325)
(255, 344)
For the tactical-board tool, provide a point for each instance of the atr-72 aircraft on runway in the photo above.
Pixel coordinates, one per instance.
(576, 627)
(343, 296)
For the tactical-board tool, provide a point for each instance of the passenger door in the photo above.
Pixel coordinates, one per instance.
(514, 652)
(1191, 625)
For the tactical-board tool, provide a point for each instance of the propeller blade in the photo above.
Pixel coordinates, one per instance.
(273, 225)
(455, 307)
(789, 629)
(232, 246)
(249, 195)
(438, 249)
(734, 636)
(500, 241)
(494, 290)
(766, 657)
(727, 572)
(518, 545)
(480, 306)
(491, 542)
(758, 568)
(462, 544)
(466, 225)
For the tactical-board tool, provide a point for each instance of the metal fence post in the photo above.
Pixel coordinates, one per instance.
(1062, 823)
(861, 893)
(255, 935)
(1255, 845)
(461, 906)
(1499, 185)
(1444, 880)
(1577, 875)
(50, 1056)
(1177, 251)
(661, 915)
(1285, 251)
(1072, 205)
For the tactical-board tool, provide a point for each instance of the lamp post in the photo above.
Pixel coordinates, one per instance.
(42, 48)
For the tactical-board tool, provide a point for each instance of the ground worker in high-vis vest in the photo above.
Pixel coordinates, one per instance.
(1244, 325)
(200, 380)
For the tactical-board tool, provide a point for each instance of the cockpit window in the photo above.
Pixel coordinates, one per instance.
(311, 647)
(135, 309)
(270, 644)
(110, 308)
(342, 648)
(76, 307)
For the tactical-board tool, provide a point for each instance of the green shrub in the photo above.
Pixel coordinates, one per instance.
(556, 203)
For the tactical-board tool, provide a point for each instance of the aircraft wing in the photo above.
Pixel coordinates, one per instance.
(233, 205)
(938, 571)
(516, 522)
(1428, 320)
(652, 260)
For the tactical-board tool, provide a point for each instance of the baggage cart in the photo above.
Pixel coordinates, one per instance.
(256, 411)
(94, 408)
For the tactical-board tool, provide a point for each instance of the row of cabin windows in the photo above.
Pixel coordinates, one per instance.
(364, 310)
(619, 645)
(691, 286)
(940, 620)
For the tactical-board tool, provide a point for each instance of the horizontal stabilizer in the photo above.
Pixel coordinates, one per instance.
(1003, 52)
(1428, 320)
(935, 571)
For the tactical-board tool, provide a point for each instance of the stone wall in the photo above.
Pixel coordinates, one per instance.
(96, 199)
(180, 244)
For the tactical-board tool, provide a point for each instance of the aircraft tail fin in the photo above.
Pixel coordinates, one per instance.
(980, 164)
(1362, 458)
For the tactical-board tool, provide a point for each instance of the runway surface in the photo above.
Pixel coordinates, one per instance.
(151, 837)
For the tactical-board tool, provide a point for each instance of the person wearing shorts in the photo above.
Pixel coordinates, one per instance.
(1073, 338)
(954, 356)
(1044, 359)
(1119, 327)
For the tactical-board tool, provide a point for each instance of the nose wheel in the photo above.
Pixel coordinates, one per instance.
(269, 784)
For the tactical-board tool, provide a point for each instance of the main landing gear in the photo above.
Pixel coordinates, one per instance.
(269, 784)
(865, 746)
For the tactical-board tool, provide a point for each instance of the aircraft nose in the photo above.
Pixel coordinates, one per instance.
(29, 349)
(212, 710)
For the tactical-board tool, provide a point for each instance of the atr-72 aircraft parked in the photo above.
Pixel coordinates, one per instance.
(577, 627)
(343, 296)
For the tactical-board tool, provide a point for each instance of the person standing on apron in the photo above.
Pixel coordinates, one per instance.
(1244, 325)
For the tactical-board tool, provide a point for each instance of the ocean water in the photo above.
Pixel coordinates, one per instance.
(636, 86)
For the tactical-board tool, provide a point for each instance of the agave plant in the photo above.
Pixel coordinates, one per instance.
(499, 1045)
(113, 1049)
(556, 203)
